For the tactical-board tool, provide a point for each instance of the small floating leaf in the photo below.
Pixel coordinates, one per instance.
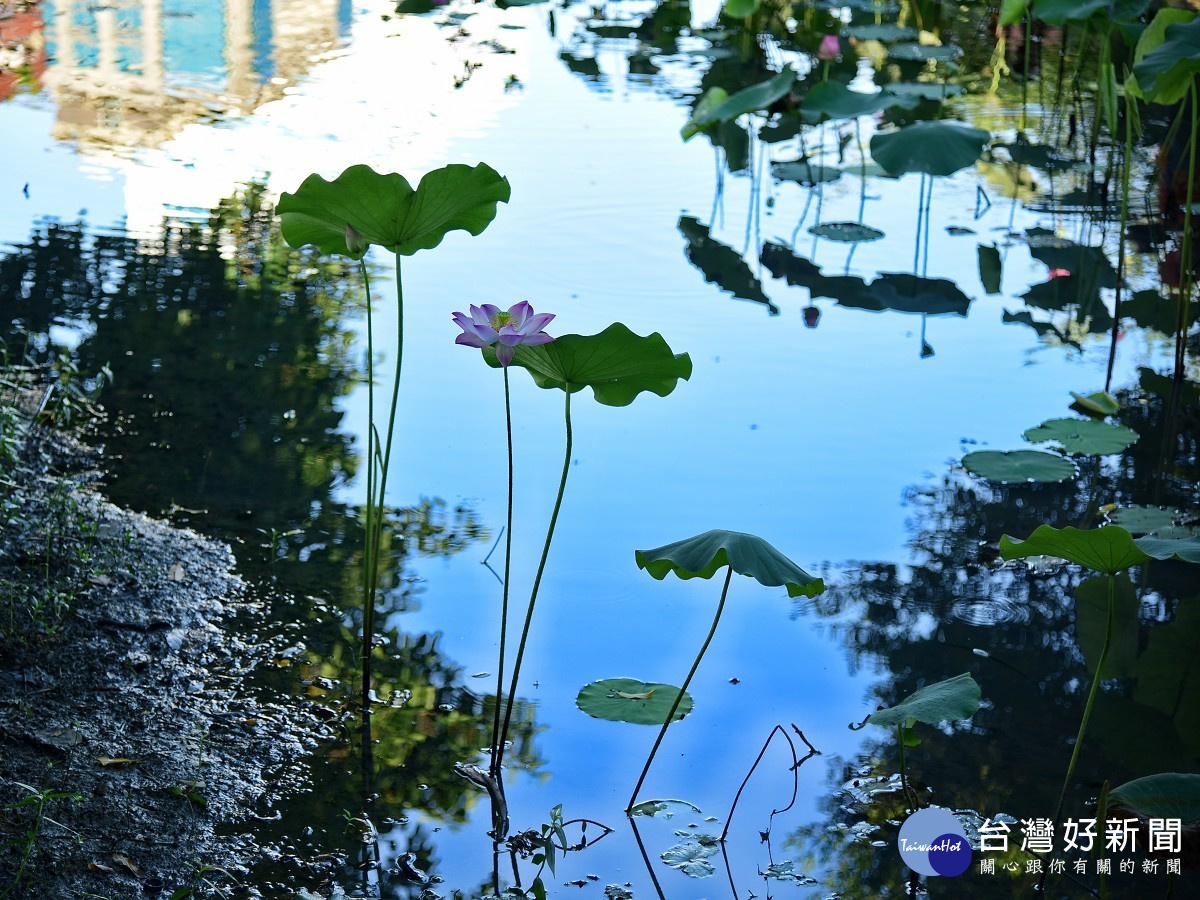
(1099, 404)
(665, 809)
(916, 52)
(690, 858)
(1010, 466)
(630, 700)
(887, 31)
(702, 555)
(925, 90)
(803, 171)
(947, 701)
(616, 364)
(846, 232)
(1142, 519)
(1083, 436)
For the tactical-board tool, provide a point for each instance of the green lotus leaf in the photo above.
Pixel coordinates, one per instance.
(630, 700)
(1164, 73)
(1083, 436)
(1091, 624)
(1100, 404)
(916, 52)
(740, 9)
(886, 31)
(935, 148)
(1010, 466)
(1170, 85)
(833, 100)
(701, 556)
(755, 98)
(1012, 11)
(1110, 549)
(385, 210)
(925, 90)
(1167, 795)
(803, 171)
(878, 7)
(947, 701)
(702, 116)
(1184, 549)
(616, 364)
(846, 232)
(1142, 519)
(1056, 12)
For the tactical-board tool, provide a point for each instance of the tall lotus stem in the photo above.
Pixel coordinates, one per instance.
(497, 742)
(682, 690)
(537, 582)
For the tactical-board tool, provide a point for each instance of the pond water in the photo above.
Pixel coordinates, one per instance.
(143, 155)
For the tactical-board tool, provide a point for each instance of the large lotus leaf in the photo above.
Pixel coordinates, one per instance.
(1008, 466)
(903, 292)
(833, 100)
(947, 701)
(846, 232)
(1110, 549)
(1012, 11)
(1167, 795)
(721, 264)
(1055, 12)
(385, 210)
(915, 52)
(691, 858)
(1142, 519)
(752, 99)
(1091, 624)
(1083, 436)
(746, 554)
(630, 700)
(616, 364)
(1170, 86)
(935, 148)
(1164, 386)
(1163, 73)
(740, 9)
(702, 116)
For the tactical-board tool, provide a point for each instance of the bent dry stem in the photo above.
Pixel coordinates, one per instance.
(682, 690)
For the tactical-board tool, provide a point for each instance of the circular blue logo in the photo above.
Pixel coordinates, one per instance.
(933, 842)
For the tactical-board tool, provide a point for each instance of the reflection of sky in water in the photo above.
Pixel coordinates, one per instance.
(805, 437)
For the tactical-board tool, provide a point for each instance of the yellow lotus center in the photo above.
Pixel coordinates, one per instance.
(501, 319)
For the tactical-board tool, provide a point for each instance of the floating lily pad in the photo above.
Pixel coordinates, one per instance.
(925, 90)
(803, 171)
(1083, 436)
(701, 556)
(691, 858)
(886, 31)
(915, 52)
(664, 809)
(846, 232)
(1100, 404)
(935, 148)
(1008, 466)
(616, 364)
(1142, 519)
(947, 701)
(630, 700)
(386, 210)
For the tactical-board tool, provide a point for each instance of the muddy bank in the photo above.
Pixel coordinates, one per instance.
(133, 760)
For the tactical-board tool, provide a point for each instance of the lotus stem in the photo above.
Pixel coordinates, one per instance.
(370, 569)
(537, 581)
(496, 739)
(683, 689)
(1128, 161)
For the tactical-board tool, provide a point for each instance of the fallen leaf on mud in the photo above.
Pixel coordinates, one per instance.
(58, 738)
(101, 580)
(100, 868)
(646, 695)
(176, 572)
(114, 760)
(128, 863)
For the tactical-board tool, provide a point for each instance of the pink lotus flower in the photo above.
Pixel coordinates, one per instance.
(830, 48)
(489, 325)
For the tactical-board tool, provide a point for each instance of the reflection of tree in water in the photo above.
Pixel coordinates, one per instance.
(1027, 638)
(229, 354)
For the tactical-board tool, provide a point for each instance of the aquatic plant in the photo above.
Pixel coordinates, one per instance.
(346, 216)
(700, 557)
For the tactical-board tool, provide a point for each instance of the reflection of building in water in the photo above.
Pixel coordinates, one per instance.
(22, 46)
(134, 72)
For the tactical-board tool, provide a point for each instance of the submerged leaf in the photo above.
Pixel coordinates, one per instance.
(701, 556)
(690, 858)
(950, 700)
(630, 700)
(616, 364)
